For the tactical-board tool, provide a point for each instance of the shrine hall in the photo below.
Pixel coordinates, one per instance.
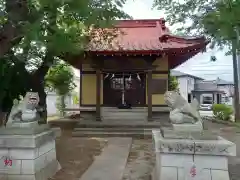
(132, 69)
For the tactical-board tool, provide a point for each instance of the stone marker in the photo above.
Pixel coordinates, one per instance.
(186, 154)
(27, 150)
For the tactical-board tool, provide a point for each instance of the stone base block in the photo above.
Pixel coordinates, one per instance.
(23, 124)
(28, 157)
(187, 127)
(195, 159)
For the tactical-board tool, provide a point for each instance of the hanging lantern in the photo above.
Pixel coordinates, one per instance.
(106, 76)
(138, 77)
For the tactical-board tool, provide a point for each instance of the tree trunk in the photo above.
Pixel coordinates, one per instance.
(38, 85)
(62, 105)
(3, 117)
(43, 105)
(236, 84)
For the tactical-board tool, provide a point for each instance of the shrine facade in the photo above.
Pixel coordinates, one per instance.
(133, 69)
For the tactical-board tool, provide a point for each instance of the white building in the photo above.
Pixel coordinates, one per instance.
(186, 83)
(228, 88)
(206, 91)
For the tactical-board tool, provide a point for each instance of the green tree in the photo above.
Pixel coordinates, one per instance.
(218, 20)
(38, 33)
(61, 79)
(173, 84)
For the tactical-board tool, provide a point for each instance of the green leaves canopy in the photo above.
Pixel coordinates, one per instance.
(37, 33)
(61, 78)
(217, 19)
(173, 84)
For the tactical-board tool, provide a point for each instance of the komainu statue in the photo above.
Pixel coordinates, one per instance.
(25, 110)
(181, 111)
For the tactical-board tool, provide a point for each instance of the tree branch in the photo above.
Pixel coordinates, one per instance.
(10, 34)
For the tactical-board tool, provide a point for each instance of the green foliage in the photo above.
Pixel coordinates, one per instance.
(173, 84)
(65, 26)
(61, 79)
(222, 112)
(215, 19)
(75, 98)
(9, 91)
(60, 105)
(40, 33)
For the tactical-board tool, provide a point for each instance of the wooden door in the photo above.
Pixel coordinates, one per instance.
(133, 89)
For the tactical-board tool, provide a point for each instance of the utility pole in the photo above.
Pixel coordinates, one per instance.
(236, 78)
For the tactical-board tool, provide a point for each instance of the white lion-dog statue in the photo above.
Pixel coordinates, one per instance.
(25, 110)
(181, 111)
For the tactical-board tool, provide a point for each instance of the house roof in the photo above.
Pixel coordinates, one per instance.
(177, 73)
(145, 37)
(223, 82)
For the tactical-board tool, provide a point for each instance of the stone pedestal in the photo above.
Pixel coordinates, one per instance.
(27, 153)
(191, 156)
(187, 127)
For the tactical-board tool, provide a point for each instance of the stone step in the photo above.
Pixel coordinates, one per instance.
(124, 118)
(122, 113)
(111, 134)
(120, 125)
(135, 109)
(115, 129)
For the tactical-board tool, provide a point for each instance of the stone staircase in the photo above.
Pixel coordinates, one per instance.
(120, 123)
(112, 113)
(112, 132)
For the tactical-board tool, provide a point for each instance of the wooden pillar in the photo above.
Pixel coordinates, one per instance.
(98, 95)
(149, 94)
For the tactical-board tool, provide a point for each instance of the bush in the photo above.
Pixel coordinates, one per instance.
(222, 112)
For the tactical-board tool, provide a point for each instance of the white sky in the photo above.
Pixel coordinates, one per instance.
(200, 64)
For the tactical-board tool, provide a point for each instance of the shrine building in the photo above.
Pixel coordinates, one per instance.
(132, 69)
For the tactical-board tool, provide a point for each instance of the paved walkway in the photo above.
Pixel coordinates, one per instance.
(110, 165)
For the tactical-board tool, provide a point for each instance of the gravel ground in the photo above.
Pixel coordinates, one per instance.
(141, 160)
(234, 162)
(75, 155)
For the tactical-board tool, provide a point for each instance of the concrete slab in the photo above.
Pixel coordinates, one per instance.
(111, 163)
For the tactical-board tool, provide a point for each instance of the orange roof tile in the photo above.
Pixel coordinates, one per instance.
(144, 36)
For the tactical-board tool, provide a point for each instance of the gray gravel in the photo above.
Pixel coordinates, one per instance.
(141, 161)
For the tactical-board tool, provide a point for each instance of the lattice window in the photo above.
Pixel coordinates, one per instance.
(117, 83)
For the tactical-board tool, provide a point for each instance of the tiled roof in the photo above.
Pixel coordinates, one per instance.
(143, 35)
